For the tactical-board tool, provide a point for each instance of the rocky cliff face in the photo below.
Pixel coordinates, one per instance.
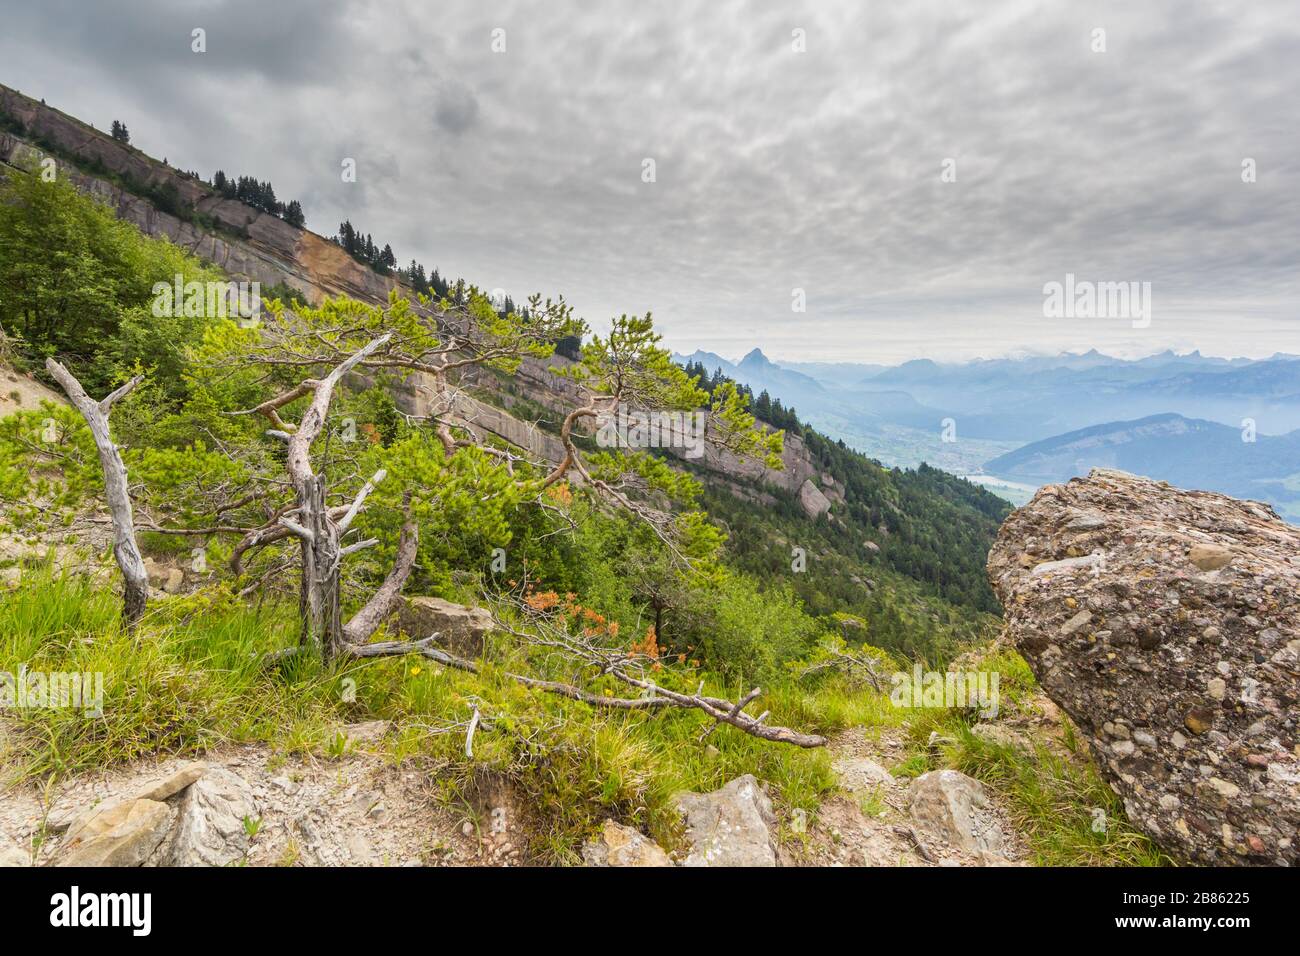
(1166, 623)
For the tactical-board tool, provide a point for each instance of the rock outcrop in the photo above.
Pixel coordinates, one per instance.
(814, 503)
(1166, 624)
(124, 833)
(214, 816)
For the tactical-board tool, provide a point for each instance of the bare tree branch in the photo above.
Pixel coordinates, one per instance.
(351, 514)
(722, 711)
(383, 602)
(846, 661)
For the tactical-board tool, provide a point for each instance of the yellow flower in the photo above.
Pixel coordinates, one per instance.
(415, 671)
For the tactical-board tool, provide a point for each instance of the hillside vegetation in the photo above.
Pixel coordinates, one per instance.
(614, 573)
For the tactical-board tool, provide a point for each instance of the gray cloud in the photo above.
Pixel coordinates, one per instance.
(456, 108)
(776, 169)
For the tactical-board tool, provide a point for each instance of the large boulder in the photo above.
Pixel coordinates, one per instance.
(732, 826)
(1166, 624)
(461, 629)
(814, 503)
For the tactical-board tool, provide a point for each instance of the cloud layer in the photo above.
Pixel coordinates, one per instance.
(775, 169)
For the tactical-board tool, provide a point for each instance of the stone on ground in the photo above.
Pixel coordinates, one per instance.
(862, 774)
(11, 854)
(125, 833)
(732, 826)
(210, 830)
(957, 809)
(618, 845)
(369, 732)
(170, 786)
(461, 629)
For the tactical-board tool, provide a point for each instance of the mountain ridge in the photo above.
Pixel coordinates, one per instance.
(1172, 448)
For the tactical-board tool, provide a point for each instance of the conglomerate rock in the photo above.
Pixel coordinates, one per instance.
(1166, 624)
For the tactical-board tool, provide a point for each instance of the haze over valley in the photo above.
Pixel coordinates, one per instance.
(1013, 424)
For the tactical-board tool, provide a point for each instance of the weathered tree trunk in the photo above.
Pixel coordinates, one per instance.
(135, 591)
(319, 597)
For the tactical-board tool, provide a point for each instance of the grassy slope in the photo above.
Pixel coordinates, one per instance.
(194, 677)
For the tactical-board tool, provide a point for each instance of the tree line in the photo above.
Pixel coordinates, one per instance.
(260, 195)
(247, 189)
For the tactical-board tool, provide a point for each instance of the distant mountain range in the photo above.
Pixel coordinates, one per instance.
(1035, 419)
(1187, 452)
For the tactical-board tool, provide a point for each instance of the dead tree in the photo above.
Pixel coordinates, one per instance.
(545, 632)
(855, 665)
(320, 529)
(135, 591)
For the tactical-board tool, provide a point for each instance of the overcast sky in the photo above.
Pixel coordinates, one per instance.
(775, 169)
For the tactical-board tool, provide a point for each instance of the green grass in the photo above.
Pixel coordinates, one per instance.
(1053, 798)
(1052, 793)
(194, 677)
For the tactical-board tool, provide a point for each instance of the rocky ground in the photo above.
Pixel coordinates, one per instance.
(247, 806)
(244, 806)
(20, 392)
(943, 818)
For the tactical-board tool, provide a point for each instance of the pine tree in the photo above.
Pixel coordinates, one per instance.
(293, 214)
